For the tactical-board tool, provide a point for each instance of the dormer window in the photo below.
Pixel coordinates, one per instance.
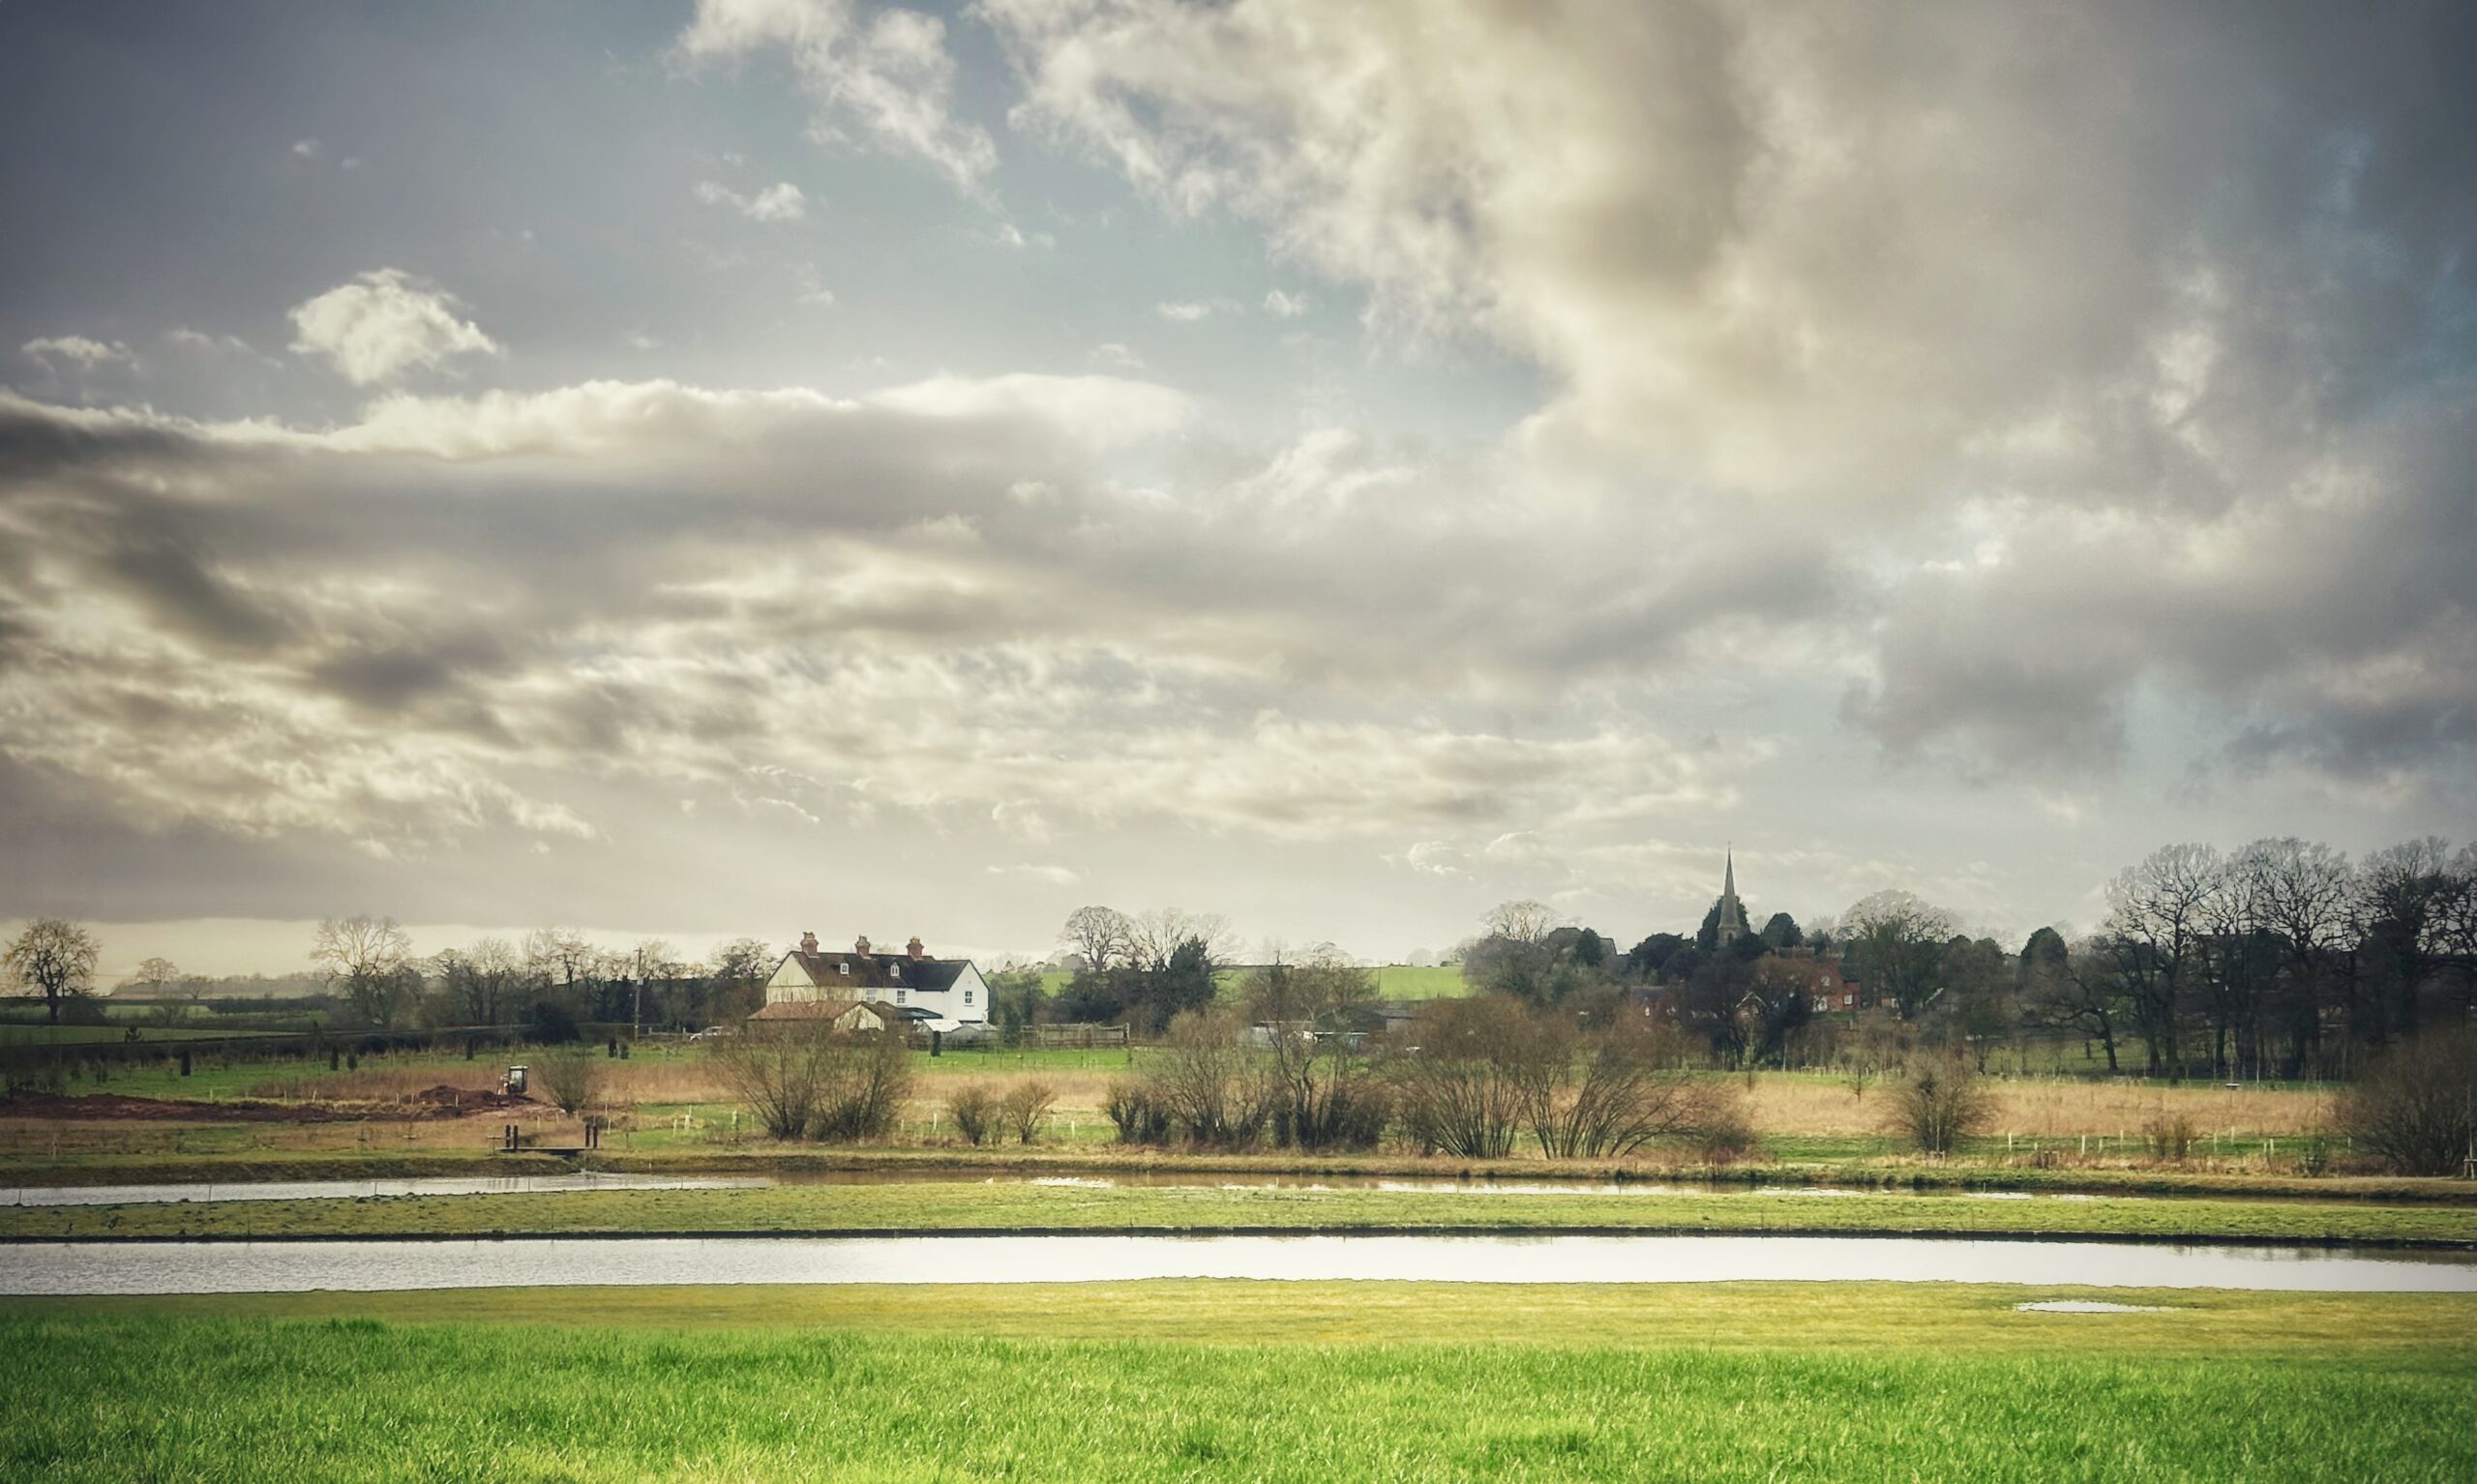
(844, 968)
(896, 970)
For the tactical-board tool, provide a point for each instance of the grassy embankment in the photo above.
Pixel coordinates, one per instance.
(922, 1206)
(1238, 1381)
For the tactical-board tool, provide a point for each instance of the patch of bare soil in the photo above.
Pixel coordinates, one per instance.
(440, 1102)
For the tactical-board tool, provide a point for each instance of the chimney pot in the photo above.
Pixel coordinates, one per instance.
(860, 944)
(913, 948)
(808, 943)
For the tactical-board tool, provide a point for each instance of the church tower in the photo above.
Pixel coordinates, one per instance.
(1729, 924)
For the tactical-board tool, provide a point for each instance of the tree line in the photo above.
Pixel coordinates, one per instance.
(2282, 959)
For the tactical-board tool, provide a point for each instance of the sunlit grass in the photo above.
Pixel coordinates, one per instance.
(1016, 1204)
(850, 1391)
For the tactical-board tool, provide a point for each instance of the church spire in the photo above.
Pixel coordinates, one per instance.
(1728, 914)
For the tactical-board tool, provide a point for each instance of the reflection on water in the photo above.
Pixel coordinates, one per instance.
(175, 1267)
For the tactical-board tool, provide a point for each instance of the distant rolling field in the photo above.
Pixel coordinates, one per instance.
(1393, 981)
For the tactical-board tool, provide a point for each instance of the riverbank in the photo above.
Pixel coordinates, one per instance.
(1068, 1206)
(794, 1160)
(1357, 1381)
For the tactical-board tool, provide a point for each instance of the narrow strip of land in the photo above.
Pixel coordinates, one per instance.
(1804, 1316)
(1024, 1207)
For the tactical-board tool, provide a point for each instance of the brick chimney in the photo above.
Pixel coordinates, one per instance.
(860, 944)
(913, 949)
(808, 943)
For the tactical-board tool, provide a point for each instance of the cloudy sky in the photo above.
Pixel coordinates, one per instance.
(769, 464)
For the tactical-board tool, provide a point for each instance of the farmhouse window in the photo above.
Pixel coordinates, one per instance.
(967, 996)
(898, 997)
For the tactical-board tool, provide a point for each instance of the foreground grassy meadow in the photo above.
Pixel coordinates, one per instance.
(1221, 1380)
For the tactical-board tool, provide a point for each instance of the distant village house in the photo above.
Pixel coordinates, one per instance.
(863, 989)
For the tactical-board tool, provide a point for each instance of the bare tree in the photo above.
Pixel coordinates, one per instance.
(1517, 953)
(1941, 1104)
(155, 975)
(2415, 1103)
(1214, 1088)
(974, 1112)
(1896, 940)
(1025, 1106)
(740, 969)
(779, 1070)
(2158, 913)
(1327, 1095)
(1605, 1095)
(53, 958)
(1452, 1089)
(571, 1076)
(364, 955)
(866, 1079)
(1101, 935)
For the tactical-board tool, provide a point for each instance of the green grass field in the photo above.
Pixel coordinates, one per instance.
(1014, 1204)
(1236, 1381)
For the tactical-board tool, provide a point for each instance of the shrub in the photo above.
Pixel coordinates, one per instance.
(1941, 1104)
(867, 1079)
(2170, 1136)
(974, 1110)
(2412, 1104)
(1725, 1132)
(1025, 1106)
(1217, 1089)
(1456, 1091)
(1135, 1112)
(807, 1078)
(569, 1079)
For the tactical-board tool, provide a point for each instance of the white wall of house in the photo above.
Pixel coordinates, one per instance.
(964, 1002)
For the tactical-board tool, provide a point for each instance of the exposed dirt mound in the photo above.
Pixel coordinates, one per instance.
(440, 1102)
(457, 1102)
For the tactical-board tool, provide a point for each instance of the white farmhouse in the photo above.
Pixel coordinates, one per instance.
(941, 994)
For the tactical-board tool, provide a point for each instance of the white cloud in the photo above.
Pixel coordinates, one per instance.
(2052, 434)
(890, 77)
(1047, 875)
(1185, 311)
(81, 352)
(1282, 304)
(385, 323)
(1112, 353)
(781, 201)
(305, 149)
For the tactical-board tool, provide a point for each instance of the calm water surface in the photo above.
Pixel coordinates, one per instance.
(175, 1267)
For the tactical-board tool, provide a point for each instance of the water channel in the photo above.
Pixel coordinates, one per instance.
(231, 1267)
